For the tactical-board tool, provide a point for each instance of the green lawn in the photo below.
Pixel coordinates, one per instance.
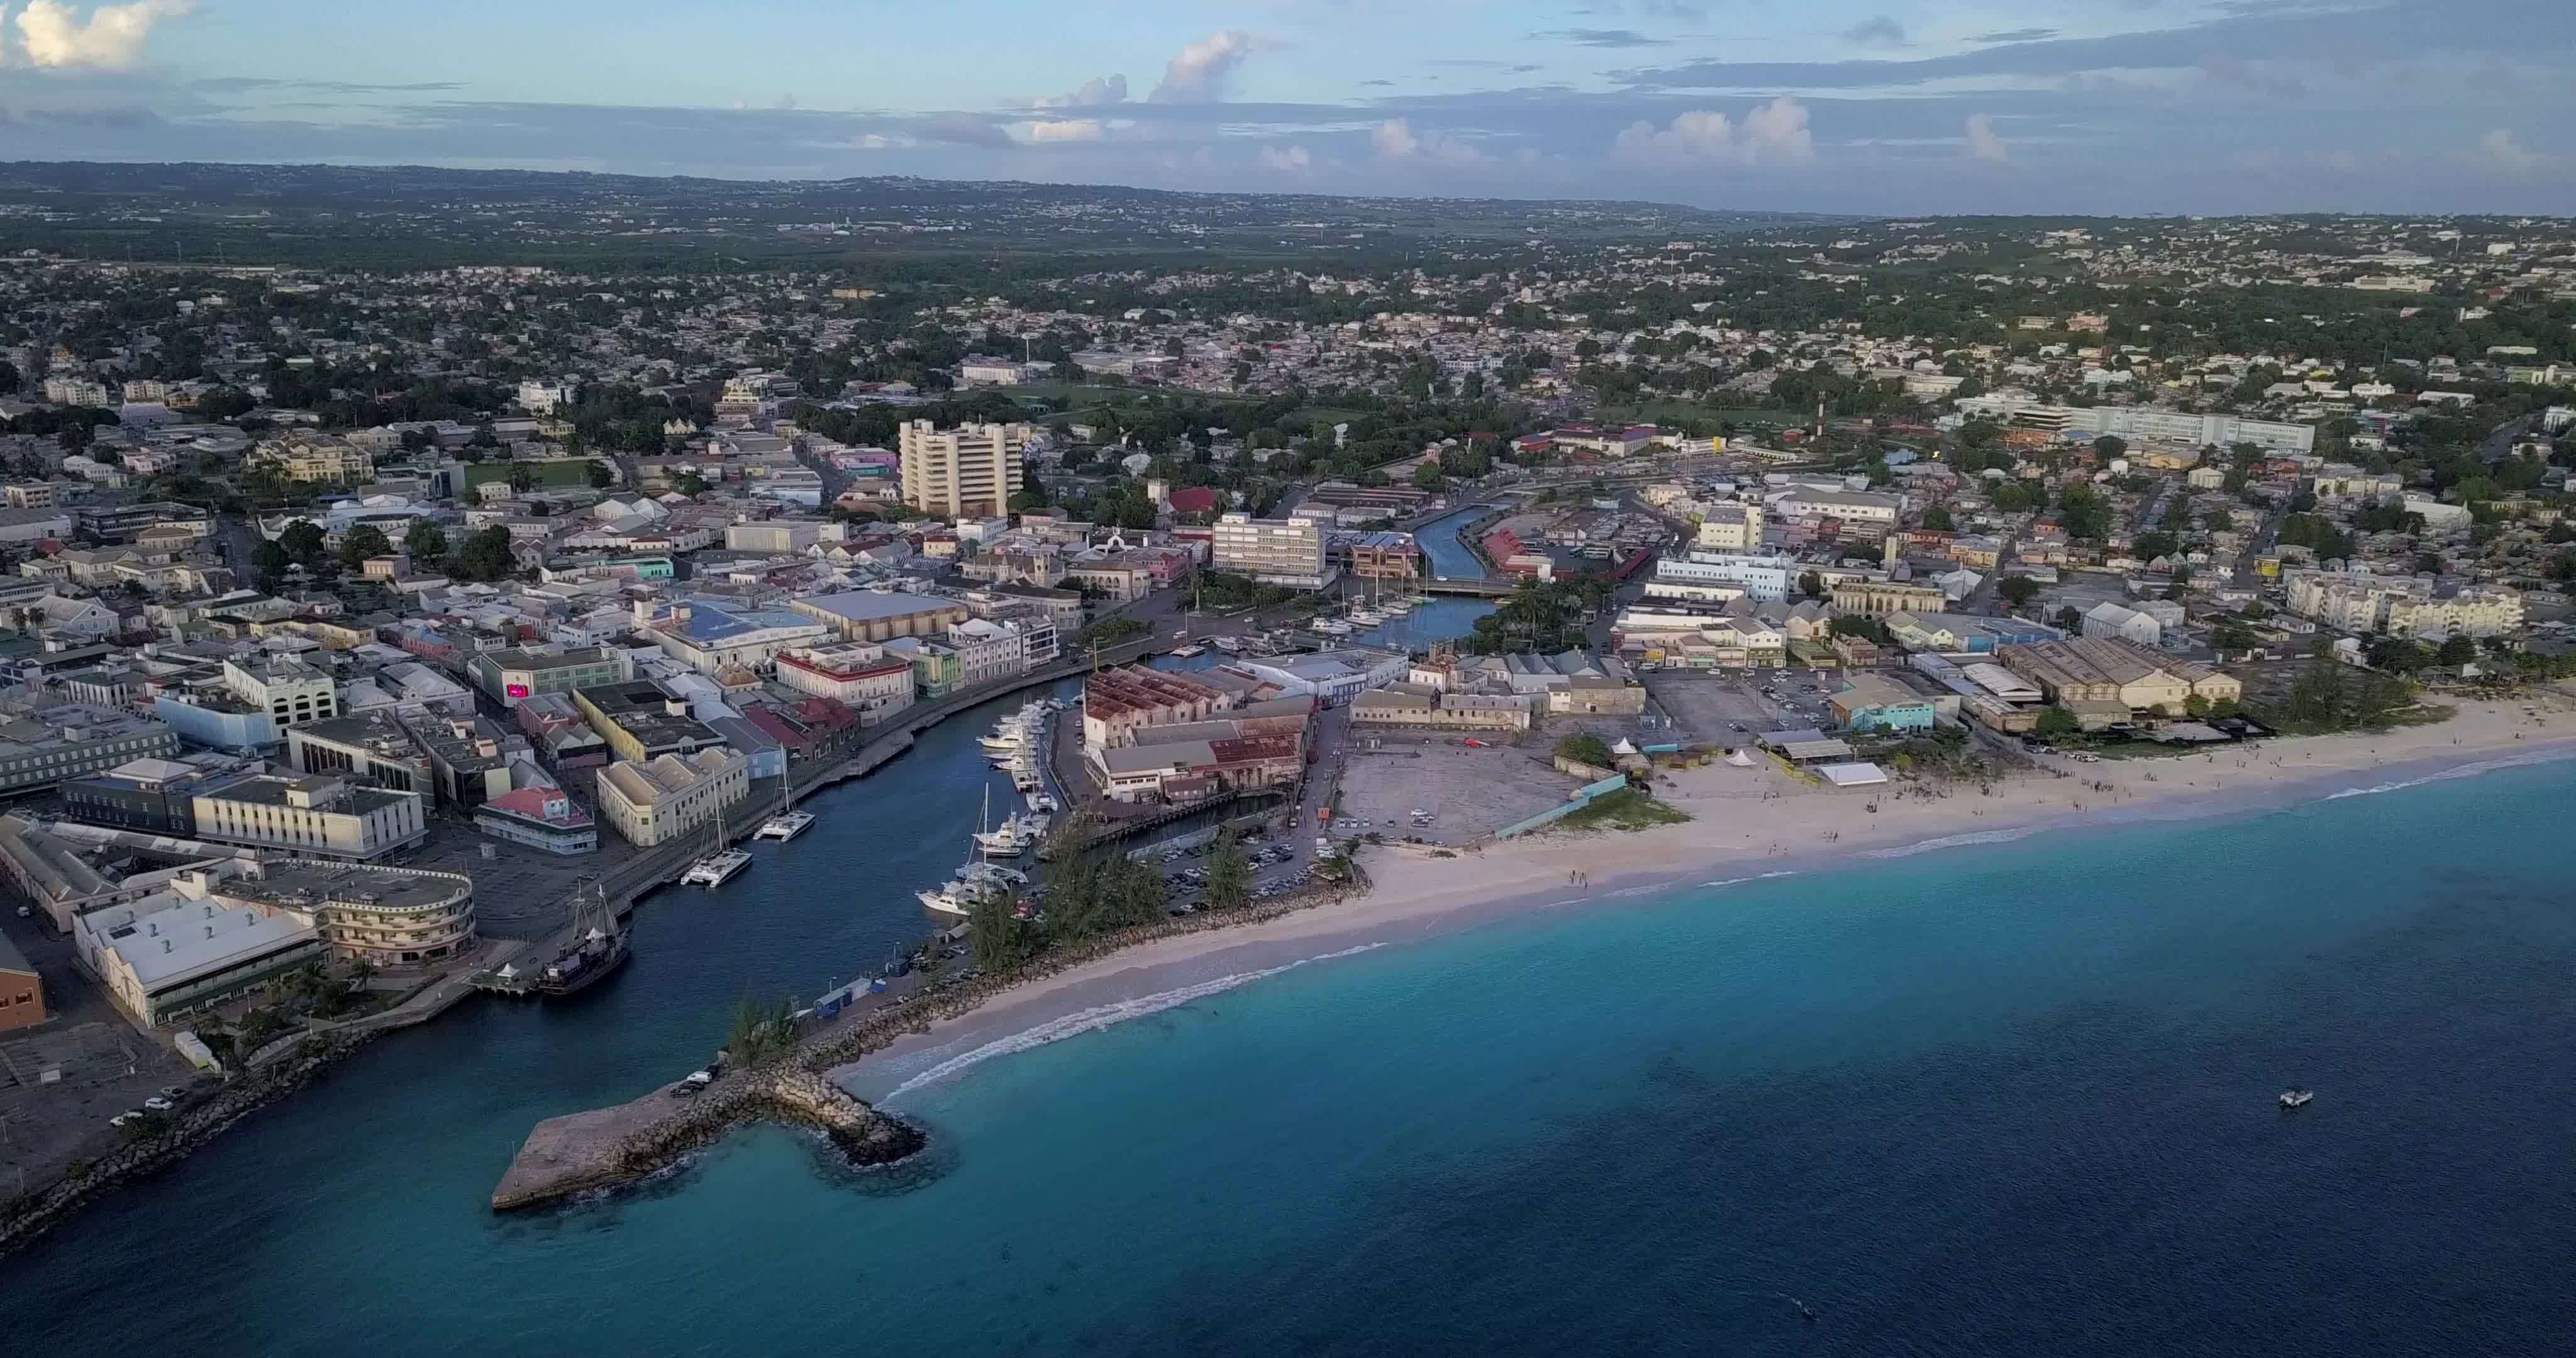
(1628, 809)
(552, 473)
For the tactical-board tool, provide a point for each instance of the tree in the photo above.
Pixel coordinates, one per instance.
(2018, 590)
(271, 562)
(2056, 723)
(1229, 875)
(1937, 519)
(1854, 625)
(1811, 584)
(2457, 651)
(689, 483)
(426, 541)
(303, 540)
(2110, 446)
(1585, 748)
(602, 476)
(487, 555)
(997, 937)
(2070, 620)
(1426, 476)
(364, 541)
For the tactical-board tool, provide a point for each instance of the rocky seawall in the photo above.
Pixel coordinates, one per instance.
(24, 1218)
(608, 1147)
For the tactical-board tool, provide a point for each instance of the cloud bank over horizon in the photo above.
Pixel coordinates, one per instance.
(2007, 106)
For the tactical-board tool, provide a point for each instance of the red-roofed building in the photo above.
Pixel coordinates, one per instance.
(1194, 500)
(544, 818)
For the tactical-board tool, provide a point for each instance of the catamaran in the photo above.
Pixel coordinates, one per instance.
(789, 822)
(717, 868)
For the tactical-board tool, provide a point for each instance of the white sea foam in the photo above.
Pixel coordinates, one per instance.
(2446, 775)
(1098, 1017)
(1757, 877)
(1954, 842)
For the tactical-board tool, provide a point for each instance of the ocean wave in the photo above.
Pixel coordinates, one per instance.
(1757, 877)
(1098, 1017)
(2462, 771)
(1954, 842)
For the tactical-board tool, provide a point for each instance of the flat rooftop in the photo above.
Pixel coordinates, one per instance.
(293, 883)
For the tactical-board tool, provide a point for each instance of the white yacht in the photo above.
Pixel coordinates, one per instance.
(1331, 627)
(1016, 836)
(716, 869)
(1366, 617)
(973, 882)
(1397, 606)
(1008, 736)
(1229, 645)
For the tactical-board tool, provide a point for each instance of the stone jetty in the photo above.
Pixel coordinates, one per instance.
(608, 1147)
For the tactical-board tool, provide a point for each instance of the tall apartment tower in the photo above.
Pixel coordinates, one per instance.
(973, 469)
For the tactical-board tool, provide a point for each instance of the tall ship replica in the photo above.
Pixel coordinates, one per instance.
(600, 943)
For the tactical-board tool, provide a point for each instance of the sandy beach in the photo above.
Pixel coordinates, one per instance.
(1747, 822)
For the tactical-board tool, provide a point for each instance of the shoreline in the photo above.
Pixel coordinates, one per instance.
(1749, 825)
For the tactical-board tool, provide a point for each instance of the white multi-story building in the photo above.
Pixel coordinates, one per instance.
(1764, 579)
(2406, 606)
(973, 469)
(1286, 552)
(988, 650)
(858, 675)
(539, 397)
(1850, 506)
(289, 691)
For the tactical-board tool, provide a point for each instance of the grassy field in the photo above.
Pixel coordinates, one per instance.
(552, 473)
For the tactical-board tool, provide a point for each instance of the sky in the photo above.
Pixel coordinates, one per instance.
(1865, 106)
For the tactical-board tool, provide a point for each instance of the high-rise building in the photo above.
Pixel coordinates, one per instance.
(1287, 552)
(973, 469)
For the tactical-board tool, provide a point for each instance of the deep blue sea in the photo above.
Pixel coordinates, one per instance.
(2014, 1100)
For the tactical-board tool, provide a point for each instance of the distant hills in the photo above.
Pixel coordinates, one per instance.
(411, 216)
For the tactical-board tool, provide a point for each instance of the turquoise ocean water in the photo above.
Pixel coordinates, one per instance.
(2008, 1099)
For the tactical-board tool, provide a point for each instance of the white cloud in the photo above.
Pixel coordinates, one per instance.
(2503, 153)
(1287, 159)
(110, 39)
(1775, 133)
(1064, 130)
(1107, 89)
(1983, 144)
(1202, 69)
(1395, 139)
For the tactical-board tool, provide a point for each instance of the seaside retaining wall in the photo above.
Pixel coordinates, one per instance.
(30, 1214)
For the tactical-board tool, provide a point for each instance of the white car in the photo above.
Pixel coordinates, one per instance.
(158, 1104)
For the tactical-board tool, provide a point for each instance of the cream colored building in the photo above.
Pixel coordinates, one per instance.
(661, 799)
(289, 691)
(2402, 606)
(302, 455)
(1731, 528)
(972, 470)
(311, 816)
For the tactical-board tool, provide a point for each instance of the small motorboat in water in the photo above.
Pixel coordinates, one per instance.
(2296, 1098)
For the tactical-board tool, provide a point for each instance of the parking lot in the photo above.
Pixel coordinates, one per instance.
(1730, 709)
(1468, 790)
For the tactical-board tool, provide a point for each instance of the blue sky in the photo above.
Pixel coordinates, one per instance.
(2109, 106)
